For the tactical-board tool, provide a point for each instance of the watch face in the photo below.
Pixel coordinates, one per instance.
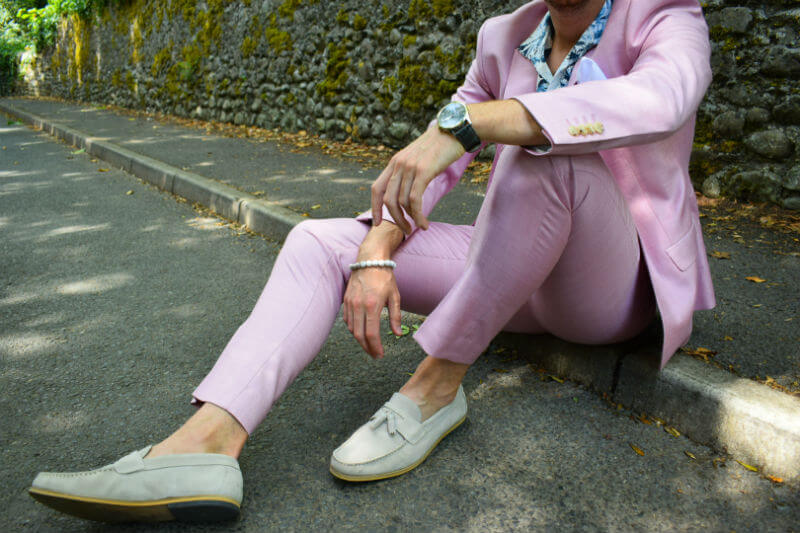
(452, 115)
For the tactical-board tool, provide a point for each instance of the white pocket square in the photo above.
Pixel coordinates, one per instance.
(588, 70)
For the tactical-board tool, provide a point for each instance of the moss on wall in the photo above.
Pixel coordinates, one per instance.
(336, 71)
(278, 39)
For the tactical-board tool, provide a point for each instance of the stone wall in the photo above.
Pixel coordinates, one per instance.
(377, 70)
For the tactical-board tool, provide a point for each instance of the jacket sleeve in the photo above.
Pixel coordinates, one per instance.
(473, 90)
(662, 90)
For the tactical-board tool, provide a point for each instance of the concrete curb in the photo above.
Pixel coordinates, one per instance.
(752, 422)
(257, 215)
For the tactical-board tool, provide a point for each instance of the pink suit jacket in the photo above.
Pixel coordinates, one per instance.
(655, 56)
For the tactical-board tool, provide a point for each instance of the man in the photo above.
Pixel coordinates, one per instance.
(588, 225)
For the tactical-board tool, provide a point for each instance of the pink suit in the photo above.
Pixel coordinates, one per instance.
(556, 245)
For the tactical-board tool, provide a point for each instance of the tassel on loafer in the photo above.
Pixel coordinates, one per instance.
(198, 487)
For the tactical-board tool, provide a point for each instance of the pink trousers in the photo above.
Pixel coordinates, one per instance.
(556, 252)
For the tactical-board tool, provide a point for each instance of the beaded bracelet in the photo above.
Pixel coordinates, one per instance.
(373, 263)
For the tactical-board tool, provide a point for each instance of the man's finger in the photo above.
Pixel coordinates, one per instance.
(350, 323)
(394, 311)
(378, 190)
(346, 314)
(405, 190)
(358, 328)
(415, 203)
(372, 333)
(390, 199)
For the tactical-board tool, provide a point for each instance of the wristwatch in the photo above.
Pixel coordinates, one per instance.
(454, 118)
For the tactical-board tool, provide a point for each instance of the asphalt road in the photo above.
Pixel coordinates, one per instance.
(113, 305)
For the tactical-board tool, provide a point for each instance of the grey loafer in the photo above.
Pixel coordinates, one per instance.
(395, 440)
(201, 487)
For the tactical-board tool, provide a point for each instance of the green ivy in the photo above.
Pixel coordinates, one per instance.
(32, 24)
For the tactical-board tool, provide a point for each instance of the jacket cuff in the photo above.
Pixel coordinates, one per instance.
(366, 216)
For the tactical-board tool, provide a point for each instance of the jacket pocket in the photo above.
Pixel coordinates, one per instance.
(684, 252)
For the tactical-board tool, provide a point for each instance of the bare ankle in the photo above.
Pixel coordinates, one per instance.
(210, 430)
(434, 384)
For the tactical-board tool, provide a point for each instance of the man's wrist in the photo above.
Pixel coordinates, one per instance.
(381, 242)
(454, 119)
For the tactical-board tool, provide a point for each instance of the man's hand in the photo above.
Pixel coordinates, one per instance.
(404, 180)
(368, 292)
(371, 289)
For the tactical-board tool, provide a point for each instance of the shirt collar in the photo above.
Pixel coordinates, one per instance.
(536, 49)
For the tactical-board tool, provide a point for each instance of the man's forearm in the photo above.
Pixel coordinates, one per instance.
(506, 122)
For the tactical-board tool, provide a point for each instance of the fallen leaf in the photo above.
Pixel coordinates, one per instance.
(643, 418)
(755, 279)
(747, 466)
(637, 449)
(690, 455)
(701, 352)
(775, 479)
(556, 379)
(672, 431)
(720, 255)
(316, 206)
(129, 193)
(81, 151)
(103, 169)
(727, 338)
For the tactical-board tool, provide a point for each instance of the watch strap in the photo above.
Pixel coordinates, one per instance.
(467, 136)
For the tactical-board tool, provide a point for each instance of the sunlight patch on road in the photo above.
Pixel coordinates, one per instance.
(351, 181)
(60, 422)
(206, 223)
(17, 186)
(17, 173)
(326, 171)
(20, 345)
(66, 230)
(186, 242)
(183, 311)
(506, 380)
(21, 298)
(45, 320)
(96, 284)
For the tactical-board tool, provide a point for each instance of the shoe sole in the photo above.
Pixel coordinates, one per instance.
(376, 477)
(193, 509)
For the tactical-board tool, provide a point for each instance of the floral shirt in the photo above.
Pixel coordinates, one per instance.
(537, 48)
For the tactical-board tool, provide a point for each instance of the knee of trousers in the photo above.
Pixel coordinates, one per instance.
(306, 237)
(321, 238)
(521, 178)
